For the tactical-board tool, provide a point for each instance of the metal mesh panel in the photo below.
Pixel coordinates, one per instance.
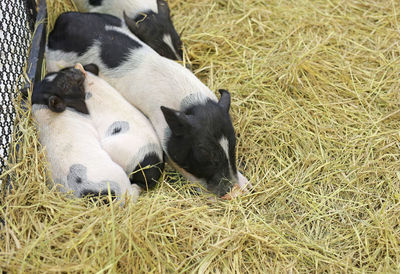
(16, 21)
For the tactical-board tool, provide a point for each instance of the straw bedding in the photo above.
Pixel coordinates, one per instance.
(316, 105)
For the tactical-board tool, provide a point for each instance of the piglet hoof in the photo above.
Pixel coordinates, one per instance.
(80, 67)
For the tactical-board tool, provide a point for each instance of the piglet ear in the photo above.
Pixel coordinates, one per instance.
(225, 100)
(176, 120)
(132, 26)
(93, 68)
(163, 7)
(56, 104)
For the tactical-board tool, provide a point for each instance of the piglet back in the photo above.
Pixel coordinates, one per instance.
(125, 133)
(76, 159)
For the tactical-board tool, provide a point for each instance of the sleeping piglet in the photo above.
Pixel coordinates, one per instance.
(125, 133)
(77, 161)
(149, 20)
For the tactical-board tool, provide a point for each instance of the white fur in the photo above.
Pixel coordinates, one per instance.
(242, 181)
(117, 7)
(225, 146)
(106, 106)
(51, 78)
(70, 139)
(167, 40)
(169, 85)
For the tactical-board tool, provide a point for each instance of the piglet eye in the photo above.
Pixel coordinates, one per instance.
(140, 17)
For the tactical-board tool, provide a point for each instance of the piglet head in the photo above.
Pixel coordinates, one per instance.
(157, 31)
(62, 89)
(202, 143)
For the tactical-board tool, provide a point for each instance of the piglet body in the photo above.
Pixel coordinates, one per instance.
(124, 132)
(77, 161)
(149, 20)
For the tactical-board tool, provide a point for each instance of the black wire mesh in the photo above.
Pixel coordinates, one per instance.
(16, 26)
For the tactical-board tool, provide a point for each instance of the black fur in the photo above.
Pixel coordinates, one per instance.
(117, 127)
(150, 27)
(93, 68)
(65, 90)
(116, 131)
(95, 2)
(94, 27)
(98, 196)
(194, 143)
(147, 173)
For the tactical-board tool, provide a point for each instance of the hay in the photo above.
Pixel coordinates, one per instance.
(315, 88)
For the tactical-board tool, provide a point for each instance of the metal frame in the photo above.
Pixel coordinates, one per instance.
(36, 55)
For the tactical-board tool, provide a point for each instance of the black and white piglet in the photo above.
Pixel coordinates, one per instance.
(194, 127)
(149, 20)
(77, 161)
(125, 133)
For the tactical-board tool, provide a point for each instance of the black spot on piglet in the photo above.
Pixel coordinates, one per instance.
(117, 127)
(97, 196)
(95, 2)
(147, 172)
(116, 130)
(76, 175)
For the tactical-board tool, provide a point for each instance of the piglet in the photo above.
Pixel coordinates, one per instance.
(77, 161)
(125, 133)
(149, 20)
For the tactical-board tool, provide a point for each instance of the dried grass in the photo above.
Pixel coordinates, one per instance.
(315, 87)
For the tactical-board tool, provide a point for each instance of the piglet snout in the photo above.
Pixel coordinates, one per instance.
(244, 183)
(242, 187)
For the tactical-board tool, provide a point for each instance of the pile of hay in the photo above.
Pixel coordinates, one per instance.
(316, 105)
